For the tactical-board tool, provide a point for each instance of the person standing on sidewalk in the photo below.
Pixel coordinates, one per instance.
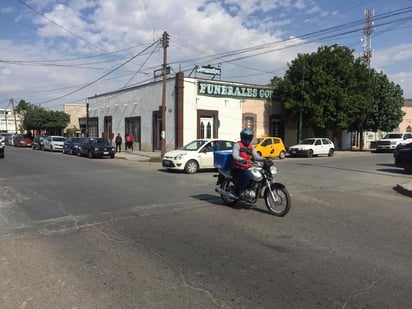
(118, 142)
(130, 141)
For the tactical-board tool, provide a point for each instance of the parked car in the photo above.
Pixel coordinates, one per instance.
(391, 140)
(53, 143)
(96, 148)
(4, 137)
(196, 155)
(403, 157)
(71, 145)
(38, 142)
(270, 147)
(310, 147)
(2, 149)
(22, 140)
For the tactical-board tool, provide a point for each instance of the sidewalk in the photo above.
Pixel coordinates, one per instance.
(138, 155)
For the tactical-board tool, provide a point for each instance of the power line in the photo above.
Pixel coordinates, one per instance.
(96, 80)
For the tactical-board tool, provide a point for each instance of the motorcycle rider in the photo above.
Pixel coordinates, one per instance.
(243, 152)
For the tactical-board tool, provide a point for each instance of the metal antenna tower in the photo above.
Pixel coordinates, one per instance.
(367, 40)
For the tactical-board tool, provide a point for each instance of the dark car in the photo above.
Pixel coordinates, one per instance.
(94, 147)
(71, 145)
(403, 157)
(2, 150)
(38, 142)
(22, 141)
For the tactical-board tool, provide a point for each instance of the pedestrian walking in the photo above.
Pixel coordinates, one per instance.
(118, 142)
(130, 141)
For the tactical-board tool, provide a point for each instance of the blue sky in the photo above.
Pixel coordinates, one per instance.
(61, 52)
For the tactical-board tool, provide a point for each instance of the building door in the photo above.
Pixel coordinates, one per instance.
(132, 126)
(277, 126)
(157, 131)
(108, 134)
(207, 124)
(206, 127)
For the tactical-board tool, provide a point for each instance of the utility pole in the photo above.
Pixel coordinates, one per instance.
(165, 44)
(300, 125)
(14, 113)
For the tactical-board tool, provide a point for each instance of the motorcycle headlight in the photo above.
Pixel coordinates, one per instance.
(273, 170)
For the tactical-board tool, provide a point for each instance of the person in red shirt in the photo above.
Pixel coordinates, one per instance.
(243, 153)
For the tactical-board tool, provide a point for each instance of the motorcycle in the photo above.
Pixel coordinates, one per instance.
(263, 185)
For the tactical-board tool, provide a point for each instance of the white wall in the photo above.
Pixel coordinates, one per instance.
(137, 102)
(230, 112)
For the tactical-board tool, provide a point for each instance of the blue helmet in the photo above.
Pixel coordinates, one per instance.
(246, 136)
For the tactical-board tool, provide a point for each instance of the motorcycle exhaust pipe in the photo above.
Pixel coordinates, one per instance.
(226, 194)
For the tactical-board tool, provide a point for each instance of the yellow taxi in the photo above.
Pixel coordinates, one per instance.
(270, 147)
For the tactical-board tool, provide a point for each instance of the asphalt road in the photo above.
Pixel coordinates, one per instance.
(102, 233)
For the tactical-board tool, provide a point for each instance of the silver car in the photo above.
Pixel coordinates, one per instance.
(53, 143)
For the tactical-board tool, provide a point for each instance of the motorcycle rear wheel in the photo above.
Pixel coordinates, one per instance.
(280, 205)
(229, 187)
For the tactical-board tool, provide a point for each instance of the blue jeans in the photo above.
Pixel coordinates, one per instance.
(242, 177)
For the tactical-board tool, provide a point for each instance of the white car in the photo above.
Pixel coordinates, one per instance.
(310, 147)
(53, 143)
(196, 155)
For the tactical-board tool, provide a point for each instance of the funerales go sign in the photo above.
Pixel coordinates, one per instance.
(234, 91)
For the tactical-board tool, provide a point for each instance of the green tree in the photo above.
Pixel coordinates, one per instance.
(37, 118)
(320, 87)
(332, 90)
(388, 101)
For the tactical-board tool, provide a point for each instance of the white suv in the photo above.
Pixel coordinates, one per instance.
(53, 143)
(391, 140)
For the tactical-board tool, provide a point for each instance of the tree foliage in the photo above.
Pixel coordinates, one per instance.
(37, 118)
(333, 90)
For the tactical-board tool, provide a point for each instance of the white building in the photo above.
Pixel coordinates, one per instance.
(9, 121)
(195, 108)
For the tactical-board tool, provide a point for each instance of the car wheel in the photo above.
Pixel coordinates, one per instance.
(282, 155)
(71, 151)
(51, 148)
(79, 154)
(191, 167)
(90, 155)
(112, 156)
(330, 153)
(309, 153)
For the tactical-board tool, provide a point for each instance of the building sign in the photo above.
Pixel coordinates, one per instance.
(208, 70)
(234, 91)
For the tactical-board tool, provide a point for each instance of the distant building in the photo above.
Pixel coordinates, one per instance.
(195, 108)
(10, 121)
(406, 124)
(76, 112)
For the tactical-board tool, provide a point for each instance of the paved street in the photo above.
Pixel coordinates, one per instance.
(102, 233)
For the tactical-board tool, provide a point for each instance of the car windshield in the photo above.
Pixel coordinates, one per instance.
(393, 135)
(257, 140)
(195, 145)
(58, 139)
(100, 141)
(308, 141)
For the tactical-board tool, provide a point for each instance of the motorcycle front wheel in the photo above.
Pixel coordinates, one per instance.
(228, 186)
(277, 200)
